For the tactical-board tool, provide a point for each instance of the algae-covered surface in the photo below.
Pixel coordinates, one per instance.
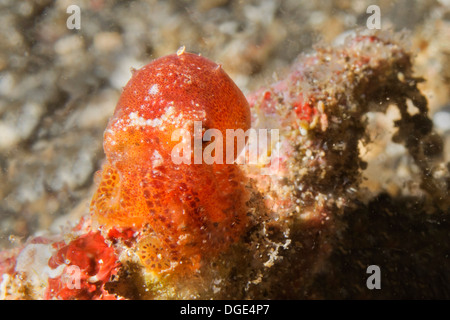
(361, 173)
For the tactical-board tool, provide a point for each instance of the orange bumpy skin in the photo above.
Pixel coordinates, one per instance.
(186, 213)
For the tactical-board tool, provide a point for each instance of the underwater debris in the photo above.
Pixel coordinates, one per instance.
(293, 210)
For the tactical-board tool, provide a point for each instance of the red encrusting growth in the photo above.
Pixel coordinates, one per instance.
(186, 212)
(94, 263)
(8, 260)
(304, 108)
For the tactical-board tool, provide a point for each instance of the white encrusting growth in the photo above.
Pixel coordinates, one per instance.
(154, 89)
(136, 121)
(32, 263)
